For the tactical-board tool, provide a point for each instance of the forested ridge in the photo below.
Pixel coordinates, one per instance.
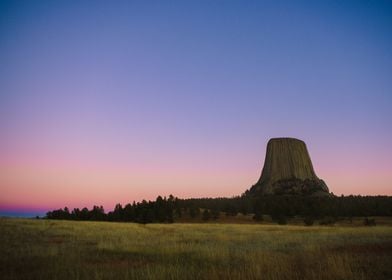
(279, 207)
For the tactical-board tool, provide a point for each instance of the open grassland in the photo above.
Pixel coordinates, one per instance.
(45, 249)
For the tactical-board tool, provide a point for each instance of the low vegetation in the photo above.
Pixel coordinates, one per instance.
(51, 249)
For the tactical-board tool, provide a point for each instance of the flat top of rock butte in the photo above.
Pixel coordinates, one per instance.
(285, 139)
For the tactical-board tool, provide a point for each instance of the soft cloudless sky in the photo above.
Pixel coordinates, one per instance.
(114, 101)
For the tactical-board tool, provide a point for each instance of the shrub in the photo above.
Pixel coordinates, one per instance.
(258, 217)
(327, 221)
(369, 222)
(280, 219)
(308, 221)
(215, 214)
(206, 215)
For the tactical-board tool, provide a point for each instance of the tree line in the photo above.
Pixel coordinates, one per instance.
(169, 209)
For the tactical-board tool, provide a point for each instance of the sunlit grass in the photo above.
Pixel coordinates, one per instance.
(44, 249)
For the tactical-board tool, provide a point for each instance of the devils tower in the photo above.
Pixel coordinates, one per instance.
(288, 169)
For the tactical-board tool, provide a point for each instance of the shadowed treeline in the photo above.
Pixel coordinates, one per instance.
(280, 208)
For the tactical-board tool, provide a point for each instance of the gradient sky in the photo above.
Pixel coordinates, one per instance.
(115, 101)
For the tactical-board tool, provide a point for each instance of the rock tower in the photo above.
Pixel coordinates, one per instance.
(288, 170)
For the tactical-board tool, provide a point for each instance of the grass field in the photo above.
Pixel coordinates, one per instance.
(45, 249)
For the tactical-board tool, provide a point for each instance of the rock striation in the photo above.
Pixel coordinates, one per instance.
(288, 169)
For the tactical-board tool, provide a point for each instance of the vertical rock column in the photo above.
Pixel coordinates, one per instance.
(288, 169)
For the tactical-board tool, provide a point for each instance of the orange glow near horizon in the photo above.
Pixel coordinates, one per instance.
(52, 186)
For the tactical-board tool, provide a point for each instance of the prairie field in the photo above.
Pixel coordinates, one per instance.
(47, 249)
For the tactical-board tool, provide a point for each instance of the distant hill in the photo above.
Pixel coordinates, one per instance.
(21, 214)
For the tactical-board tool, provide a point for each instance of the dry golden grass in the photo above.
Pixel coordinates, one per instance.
(44, 249)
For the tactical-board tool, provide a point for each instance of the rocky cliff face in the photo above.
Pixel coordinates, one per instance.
(288, 170)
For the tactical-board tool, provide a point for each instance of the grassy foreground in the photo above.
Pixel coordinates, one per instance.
(44, 249)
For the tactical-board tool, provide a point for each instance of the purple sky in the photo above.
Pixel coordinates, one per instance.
(114, 101)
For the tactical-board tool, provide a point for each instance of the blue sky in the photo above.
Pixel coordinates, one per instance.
(195, 88)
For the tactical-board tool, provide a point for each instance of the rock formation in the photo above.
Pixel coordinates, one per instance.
(288, 170)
